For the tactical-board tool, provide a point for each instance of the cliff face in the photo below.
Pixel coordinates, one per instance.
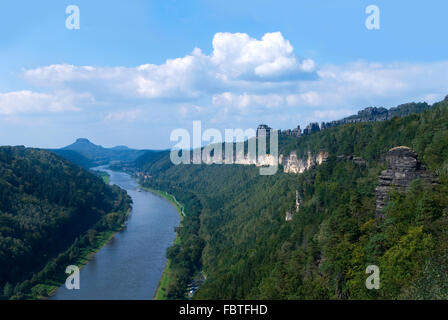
(293, 164)
(266, 160)
(290, 214)
(402, 168)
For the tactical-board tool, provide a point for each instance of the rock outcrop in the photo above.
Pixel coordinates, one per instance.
(294, 164)
(369, 114)
(291, 163)
(372, 114)
(403, 167)
(296, 132)
(311, 128)
(298, 201)
(290, 214)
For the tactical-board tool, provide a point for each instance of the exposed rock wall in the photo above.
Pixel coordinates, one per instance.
(293, 164)
(289, 214)
(265, 160)
(402, 168)
(298, 201)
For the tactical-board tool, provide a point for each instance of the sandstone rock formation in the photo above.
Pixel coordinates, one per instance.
(311, 128)
(370, 114)
(290, 214)
(293, 164)
(403, 167)
(298, 201)
(296, 132)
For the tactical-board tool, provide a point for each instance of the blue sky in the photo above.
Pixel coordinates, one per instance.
(136, 70)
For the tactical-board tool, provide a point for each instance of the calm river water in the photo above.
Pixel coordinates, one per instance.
(131, 264)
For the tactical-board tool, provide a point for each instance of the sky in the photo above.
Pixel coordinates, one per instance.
(136, 70)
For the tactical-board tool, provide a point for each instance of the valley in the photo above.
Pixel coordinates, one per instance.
(233, 241)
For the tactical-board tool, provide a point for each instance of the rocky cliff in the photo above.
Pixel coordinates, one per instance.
(289, 214)
(403, 167)
(292, 164)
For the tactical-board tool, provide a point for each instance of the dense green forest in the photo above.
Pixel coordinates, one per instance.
(74, 157)
(235, 231)
(51, 211)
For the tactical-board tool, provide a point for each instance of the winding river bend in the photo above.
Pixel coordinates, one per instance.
(131, 264)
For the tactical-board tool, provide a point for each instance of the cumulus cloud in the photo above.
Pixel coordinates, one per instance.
(228, 99)
(361, 84)
(242, 74)
(236, 55)
(330, 114)
(126, 115)
(271, 100)
(237, 60)
(26, 101)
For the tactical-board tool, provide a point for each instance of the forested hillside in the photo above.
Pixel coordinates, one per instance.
(50, 211)
(235, 231)
(74, 157)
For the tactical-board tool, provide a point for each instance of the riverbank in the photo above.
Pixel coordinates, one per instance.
(105, 176)
(80, 256)
(47, 287)
(170, 198)
(131, 265)
(166, 278)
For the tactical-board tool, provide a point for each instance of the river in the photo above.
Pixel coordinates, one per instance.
(131, 264)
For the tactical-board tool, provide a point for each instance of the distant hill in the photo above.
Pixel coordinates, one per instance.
(152, 156)
(120, 148)
(74, 157)
(83, 145)
(87, 154)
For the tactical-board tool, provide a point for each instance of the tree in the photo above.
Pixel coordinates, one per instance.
(8, 290)
(91, 234)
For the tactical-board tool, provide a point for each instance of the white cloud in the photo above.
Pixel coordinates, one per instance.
(237, 55)
(360, 84)
(330, 114)
(25, 101)
(127, 115)
(310, 98)
(228, 99)
(272, 100)
(241, 75)
(237, 60)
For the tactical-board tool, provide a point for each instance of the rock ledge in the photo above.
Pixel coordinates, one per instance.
(402, 168)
